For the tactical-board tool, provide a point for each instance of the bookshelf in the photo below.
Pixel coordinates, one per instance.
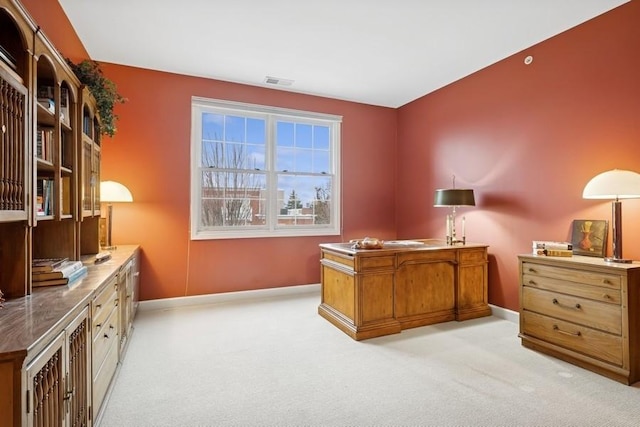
(49, 156)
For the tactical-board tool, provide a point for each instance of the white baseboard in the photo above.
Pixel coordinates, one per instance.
(505, 313)
(168, 303)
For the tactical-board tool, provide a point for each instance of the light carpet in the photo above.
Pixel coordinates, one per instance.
(276, 362)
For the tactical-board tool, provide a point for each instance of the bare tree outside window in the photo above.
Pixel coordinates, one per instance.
(230, 196)
(321, 204)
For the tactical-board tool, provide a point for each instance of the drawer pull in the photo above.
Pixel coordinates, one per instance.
(106, 336)
(99, 325)
(575, 307)
(532, 282)
(98, 306)
(573, 334)
(532, 270)
(606, 296)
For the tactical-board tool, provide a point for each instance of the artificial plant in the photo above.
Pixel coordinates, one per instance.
(103, 90)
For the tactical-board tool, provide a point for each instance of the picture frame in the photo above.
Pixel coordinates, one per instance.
(589, 237)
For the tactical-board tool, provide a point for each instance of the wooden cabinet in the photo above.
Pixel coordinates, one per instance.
(369, 293)
(583, 310)
(60, 348)
(128, 299)
(48, 130)
(105, 336)
(57, 378)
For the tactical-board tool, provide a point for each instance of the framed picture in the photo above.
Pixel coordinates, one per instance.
(589, 237)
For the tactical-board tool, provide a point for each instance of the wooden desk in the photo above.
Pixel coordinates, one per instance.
(368, 293)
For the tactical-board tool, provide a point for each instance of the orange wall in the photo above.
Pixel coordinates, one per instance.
(150, 154)
(528, 138)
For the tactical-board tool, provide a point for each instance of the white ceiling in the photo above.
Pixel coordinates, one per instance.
(378, 52)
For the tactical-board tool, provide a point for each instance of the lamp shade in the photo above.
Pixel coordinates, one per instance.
(454, 197)
(613, 184)
(111, 191)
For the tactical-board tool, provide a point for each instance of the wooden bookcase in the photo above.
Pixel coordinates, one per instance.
(49, 156)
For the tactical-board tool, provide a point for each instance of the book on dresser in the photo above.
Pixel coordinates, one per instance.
(60, 272)
(45, 265)
(68, 280)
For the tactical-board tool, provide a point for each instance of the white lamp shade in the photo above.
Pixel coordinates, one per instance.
(111, 191)
(613, 184)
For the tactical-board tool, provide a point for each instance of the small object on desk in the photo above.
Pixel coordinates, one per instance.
(102, 257)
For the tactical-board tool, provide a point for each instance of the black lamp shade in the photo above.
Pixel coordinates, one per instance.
(454, 197)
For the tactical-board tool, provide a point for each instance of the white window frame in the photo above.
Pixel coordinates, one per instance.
(200, 105)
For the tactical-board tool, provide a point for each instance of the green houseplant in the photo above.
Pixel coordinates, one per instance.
(103, 90)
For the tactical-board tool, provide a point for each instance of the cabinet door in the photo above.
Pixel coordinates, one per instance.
(425, 287)
(45, 386)
(78, 378)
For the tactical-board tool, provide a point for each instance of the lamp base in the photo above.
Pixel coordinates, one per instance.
(619, 260)
(452, 241)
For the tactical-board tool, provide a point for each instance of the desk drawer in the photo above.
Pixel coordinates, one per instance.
(421, 257)
(597, 344)
(593, 314)
(470, 256)
(340, 259)
(604, 280)
(377, 263)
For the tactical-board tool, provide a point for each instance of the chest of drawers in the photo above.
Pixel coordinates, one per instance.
(582, 310)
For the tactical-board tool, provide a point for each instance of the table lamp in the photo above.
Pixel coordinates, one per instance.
(453, 198)
(615, 184)
(113, 192)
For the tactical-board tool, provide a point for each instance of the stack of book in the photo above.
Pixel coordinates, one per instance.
(56, 271)
(543, 247)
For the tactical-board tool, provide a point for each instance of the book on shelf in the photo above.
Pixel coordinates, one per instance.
(44, 189)
(545, 244)
(554, 252)
(65, 195)
(44, 143)
(43, 265)
(63, 271)
(72, 279)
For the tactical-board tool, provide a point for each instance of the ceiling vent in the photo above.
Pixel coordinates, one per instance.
(277, 81)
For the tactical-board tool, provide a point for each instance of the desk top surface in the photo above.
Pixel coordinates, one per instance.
(392, 246)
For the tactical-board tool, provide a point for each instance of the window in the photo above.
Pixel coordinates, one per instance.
(260, 171)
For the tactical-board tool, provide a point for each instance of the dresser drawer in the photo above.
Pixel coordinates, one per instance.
(102, 306)
(593, 314)
(103, 341)
(102, 377)
(573, 275)
(596, 293)
(597, 344)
